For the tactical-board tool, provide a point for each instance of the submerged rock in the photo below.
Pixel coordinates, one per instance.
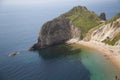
(14, 53)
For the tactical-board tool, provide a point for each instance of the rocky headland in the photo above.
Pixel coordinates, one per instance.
(73, 24)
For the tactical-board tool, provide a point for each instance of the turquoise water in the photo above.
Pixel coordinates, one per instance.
(99, 66)
(19, 28)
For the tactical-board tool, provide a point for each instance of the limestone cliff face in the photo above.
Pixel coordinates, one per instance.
(75, 32)
(108, 31)
(55, 32)
(117, 43)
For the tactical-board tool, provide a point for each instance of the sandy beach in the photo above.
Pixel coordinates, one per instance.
(112, 53)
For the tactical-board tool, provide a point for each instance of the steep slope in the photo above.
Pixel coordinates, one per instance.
(117, 43)
(56, 31)
(73, 24)
(82, 18)
(108, 33)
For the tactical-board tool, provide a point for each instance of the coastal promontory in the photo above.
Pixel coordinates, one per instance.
(72, 24)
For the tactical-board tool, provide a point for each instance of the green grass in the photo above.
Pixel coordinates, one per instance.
(113, 41)
(83, 19)
(113, 18)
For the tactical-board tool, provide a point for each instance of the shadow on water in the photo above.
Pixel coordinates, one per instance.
(63, 58)
(58, 51)
(1, 78)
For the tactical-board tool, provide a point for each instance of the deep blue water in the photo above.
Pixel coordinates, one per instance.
(19, 28)
(43, 66)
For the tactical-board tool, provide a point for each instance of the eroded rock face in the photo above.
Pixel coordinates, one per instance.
(55, 32)
(117, 43)
(108, 31)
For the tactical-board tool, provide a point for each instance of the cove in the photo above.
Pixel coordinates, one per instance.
(63, 62)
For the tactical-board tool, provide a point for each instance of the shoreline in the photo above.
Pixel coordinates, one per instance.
(112, 53)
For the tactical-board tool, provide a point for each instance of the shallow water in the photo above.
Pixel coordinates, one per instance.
(99, 66)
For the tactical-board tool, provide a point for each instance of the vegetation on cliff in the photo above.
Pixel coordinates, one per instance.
(107, 32)
(83, 18)
(116, 37)
(112, 41)
(113, 18)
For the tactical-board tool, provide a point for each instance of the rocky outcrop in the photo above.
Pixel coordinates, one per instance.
(102, 16)
(55, 32)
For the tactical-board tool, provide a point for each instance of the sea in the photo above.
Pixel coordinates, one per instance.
(19, 29)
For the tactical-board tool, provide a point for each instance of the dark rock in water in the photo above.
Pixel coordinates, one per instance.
(35, 47)
(13, 53)
(102, 16)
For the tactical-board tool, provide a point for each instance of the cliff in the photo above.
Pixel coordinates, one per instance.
(72, 24)
(55, 32)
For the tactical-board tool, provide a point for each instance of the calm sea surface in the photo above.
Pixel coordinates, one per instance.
(19, 28)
